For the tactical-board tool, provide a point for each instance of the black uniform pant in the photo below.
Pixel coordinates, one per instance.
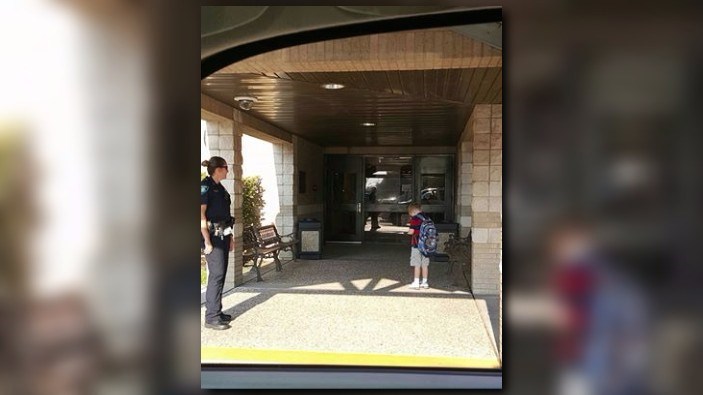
(217, 269)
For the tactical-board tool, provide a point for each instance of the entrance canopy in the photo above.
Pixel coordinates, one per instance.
(409, 88)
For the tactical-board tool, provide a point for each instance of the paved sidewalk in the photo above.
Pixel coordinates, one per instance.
(353, 308)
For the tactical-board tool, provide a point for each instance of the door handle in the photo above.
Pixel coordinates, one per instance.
(358, 208)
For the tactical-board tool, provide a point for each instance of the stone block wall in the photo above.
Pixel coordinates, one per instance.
(309, 158)
(486, 203)
(225, 140)
(464, 174)
(285, 176)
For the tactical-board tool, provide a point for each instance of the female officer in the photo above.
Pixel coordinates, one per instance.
(216, 229)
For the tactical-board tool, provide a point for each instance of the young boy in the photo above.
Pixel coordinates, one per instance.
(417, 260)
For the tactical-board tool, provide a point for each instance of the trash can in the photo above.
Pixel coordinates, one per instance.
(310, 236)
(443, 231)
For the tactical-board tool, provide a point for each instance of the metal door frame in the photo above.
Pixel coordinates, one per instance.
(349, 166)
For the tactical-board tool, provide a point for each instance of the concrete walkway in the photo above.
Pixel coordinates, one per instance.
(354, 307)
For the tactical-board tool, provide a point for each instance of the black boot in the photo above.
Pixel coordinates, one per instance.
(217, 324)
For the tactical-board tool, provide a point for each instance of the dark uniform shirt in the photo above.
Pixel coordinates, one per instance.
(217, 199)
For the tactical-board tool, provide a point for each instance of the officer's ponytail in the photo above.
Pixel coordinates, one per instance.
(213, 163)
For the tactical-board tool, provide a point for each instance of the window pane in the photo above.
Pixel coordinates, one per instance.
(432, 189)
(433, 165)
(436, 217)
(432, 180)
(388, 180)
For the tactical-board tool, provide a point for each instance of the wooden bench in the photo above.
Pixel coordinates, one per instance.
(265, 242)
(459, 250)
(249, 246)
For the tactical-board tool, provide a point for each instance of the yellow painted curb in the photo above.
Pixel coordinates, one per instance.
(293, 357)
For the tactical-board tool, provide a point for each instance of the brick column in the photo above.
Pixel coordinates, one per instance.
(237, 198)
(285, 174)
(224, 140)
(486, 204)
(464, 176)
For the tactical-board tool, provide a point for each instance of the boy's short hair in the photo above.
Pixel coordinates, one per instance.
(415, 206)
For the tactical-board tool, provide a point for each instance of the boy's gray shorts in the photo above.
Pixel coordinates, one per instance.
(416, 258)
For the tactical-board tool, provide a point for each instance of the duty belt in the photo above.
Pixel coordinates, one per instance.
(221, 228)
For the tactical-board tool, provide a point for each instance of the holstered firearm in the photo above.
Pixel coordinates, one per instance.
(221, 228)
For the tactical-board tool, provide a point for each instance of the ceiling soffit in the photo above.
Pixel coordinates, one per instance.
(416, 87)
(429, 49)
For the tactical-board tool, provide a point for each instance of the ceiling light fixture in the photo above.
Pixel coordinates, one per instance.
(332, 86)
(368, 124)
(245, 102)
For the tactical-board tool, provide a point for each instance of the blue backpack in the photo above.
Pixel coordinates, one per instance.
(427, 241)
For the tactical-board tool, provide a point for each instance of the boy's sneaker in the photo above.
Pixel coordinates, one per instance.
(424, 285)
(415, 285)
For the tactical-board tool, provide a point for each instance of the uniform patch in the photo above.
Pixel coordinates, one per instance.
(203, 190)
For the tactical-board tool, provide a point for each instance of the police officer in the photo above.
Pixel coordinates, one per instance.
(216, 230)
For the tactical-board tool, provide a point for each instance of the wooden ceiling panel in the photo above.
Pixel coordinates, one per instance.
(408, 107)
(427, 49)
(412, 82)
(485, 84)
(394, 82)
(417, 86)
(453, 85)
(474, 83)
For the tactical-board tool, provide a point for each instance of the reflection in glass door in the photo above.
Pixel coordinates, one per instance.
(388, 190)
(435, 179)
(344, 180)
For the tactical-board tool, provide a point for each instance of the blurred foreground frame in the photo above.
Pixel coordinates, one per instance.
(74, 278)
(50, 343)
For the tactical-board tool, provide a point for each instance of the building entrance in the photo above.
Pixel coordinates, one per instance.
(367, 196)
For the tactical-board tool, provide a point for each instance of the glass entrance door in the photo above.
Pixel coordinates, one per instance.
(345, 179)
(388, 191)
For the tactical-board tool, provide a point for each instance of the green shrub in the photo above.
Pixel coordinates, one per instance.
(252, 201)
